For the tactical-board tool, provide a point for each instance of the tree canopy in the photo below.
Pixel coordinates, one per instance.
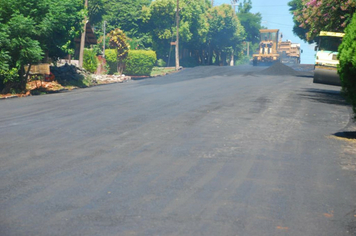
(32, 29)
(124, 14)
(203, 30)
(312, 16)
(250, 21)
(225, 30)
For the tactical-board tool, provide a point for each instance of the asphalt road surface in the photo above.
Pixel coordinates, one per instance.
(206, 151)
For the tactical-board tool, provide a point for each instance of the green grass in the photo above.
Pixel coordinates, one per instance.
(162, 70)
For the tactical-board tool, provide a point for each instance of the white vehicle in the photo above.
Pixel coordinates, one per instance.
(326, 61)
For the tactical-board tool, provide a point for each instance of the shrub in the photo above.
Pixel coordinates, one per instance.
(140, 62)
(90, 61)
(243, 60)
(161, 63)
(118, 41)
(347, 66)
(111, 60)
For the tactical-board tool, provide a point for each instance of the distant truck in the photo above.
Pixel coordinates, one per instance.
(326, 61)
(267, 53)
(289, 52)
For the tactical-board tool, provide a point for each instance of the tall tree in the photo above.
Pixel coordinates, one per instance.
(225, 31)
(160, 22)
(250, 21)
(194, 28)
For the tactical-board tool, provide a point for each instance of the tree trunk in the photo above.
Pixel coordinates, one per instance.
(24, 77)
(232, 58)
(217, 60)
(202, 57)
(120, 67)
(210, 56)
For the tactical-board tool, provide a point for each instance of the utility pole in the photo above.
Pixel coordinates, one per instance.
(233, 4)
(177, 41)
(104, 39)
(82, 40)
(212, 3)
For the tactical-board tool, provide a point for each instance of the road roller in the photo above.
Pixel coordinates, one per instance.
(326, 61)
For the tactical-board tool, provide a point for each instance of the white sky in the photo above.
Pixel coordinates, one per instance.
(275, 15)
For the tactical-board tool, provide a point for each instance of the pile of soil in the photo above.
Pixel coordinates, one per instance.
(278, 69)
(43, 85)
(36, 87)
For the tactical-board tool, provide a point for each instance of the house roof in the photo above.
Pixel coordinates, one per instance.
(90, 37)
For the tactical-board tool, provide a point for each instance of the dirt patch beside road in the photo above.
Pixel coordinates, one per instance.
(347, 158)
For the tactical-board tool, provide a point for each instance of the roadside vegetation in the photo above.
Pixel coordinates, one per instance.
(34, 30)
(347, 67)
(156, 71)
(42, 31)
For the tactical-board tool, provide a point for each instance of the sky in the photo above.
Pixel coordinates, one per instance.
(276, 15)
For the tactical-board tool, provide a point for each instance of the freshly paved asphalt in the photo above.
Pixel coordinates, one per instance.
(206, 151)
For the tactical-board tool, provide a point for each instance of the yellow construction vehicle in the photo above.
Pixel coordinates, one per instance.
(267, 53)
(289, 52)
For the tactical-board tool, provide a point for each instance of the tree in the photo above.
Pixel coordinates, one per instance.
(7, 74)
(193, 30)
(347, 66)
(125, 15)
(317, 15)
(36, 29)
(96, 11)
(250, 21)
(225, 32)
(203, 30)
(160, 21)
(295, 7)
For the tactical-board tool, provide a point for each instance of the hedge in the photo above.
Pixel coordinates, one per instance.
(111, 60)
(140, 62)
(90, 61)
(347, 66)
(161, 63)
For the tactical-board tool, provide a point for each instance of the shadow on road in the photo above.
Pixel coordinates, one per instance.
(332, 97)
(324, 96)
(346, 134)
(305, 75)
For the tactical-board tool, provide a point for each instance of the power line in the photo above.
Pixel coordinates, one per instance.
(271, 5)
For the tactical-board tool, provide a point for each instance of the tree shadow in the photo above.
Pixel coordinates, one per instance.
(305, 75)
(346, 134)
(324, 96)
(332, 97)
